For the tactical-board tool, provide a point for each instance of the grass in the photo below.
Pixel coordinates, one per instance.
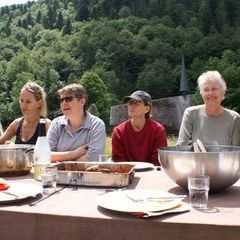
(108, 146)
(172, 140)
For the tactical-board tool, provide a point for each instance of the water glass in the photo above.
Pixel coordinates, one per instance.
(198, 190)
(49, 180)
(104, 158)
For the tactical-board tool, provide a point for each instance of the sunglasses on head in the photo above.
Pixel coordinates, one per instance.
(66, 99)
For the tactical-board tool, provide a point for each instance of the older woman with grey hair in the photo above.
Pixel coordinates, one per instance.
(211, 123)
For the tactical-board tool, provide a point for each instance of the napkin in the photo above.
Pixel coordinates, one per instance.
(183, 207)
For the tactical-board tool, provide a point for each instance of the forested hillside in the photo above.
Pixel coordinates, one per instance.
(116, 46)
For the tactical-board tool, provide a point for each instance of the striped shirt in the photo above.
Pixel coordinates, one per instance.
(92, 133)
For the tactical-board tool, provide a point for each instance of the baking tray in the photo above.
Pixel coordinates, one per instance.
(95, 174)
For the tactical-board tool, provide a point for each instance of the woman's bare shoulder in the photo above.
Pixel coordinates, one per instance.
(48, 122)
(16, 122)
(12, 128)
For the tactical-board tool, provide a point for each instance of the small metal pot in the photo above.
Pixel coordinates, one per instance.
(15, 159)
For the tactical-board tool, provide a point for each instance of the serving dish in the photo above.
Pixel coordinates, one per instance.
(95, 174)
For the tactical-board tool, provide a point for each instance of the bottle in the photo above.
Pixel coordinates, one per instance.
(41, 156)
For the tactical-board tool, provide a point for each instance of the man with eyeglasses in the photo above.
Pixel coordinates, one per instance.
(77, 135)
(138, 138)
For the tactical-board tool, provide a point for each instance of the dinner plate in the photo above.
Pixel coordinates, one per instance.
(138, 166)
(130, 201)
(18, 191)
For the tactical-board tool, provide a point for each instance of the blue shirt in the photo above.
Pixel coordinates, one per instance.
(93, 133)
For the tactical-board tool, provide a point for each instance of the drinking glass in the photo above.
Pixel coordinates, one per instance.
(49, 180)
(198, 190)
(104, 158)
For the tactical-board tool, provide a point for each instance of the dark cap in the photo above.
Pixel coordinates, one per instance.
(139, 96)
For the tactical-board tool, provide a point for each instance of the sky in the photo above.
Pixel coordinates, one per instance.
(10, 2)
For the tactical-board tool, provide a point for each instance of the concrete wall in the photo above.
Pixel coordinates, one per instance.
(167, 111)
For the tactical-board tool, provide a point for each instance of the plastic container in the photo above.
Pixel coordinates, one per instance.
(41, 156)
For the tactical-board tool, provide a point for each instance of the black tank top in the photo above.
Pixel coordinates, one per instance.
(40, 131)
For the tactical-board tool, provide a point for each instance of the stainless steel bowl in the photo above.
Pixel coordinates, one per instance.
(15, 159)
(220, 163)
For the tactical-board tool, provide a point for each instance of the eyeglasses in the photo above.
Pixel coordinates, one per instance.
(67, 99)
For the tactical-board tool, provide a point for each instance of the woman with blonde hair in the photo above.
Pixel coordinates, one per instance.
(33, 123)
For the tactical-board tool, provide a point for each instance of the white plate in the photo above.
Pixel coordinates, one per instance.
(131, 201)
(19, 190)
(140, 165)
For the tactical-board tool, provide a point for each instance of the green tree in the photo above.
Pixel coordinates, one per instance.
(60, 21)
(19, 23)
(205, 16)
(67, 29)
(82, 10)
(39, 17)
(109, 78)
(154, 8)
(97, 94)
(29, 19)
(19, 63)
(156, 78)
(50, 81)
(9, 48)
(7, 28)
(124, 12)
(51, 18)
(220, 13)
(25, 23)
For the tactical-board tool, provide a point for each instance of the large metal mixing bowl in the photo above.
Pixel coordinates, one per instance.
(220, 163)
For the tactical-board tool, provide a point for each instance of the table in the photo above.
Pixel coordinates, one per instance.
(73, 214)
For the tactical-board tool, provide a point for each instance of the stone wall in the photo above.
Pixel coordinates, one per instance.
(167, 111)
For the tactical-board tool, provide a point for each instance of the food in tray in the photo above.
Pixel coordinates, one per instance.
(104, 168)
(95, 174)
(3, 184)
(97, 168)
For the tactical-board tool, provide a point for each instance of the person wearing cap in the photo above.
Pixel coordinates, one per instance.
(138, 138)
